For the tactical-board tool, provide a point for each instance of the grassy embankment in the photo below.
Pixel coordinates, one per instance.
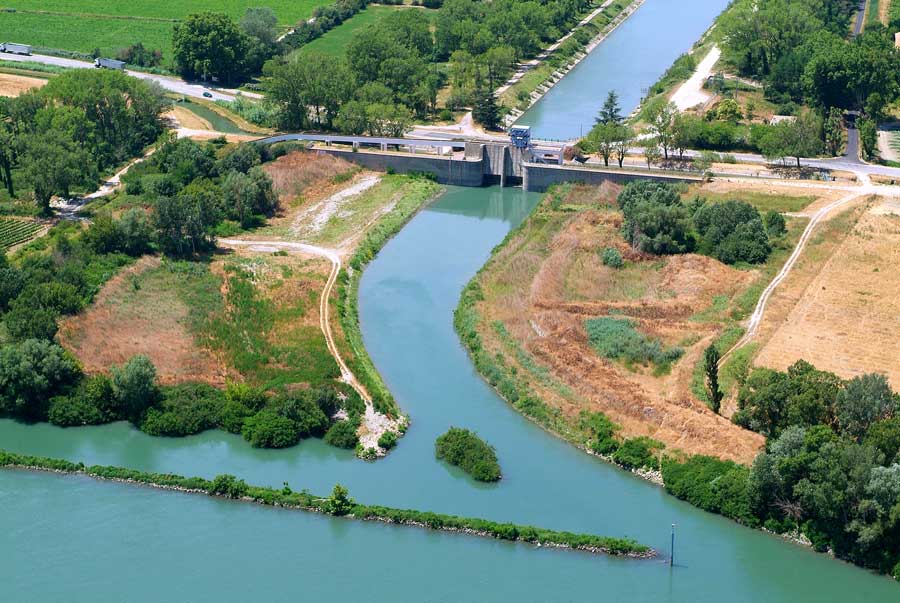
(338, 504)
(519, 94)
(540, 391)
(410, 197)
(83, 25)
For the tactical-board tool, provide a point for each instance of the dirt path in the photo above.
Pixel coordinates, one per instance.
(690, 94)
(374, 424)
(760, 309)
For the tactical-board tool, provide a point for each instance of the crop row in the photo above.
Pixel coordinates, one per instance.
(13, 232)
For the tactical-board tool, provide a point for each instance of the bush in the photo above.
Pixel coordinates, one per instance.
(303, 410)
(470, 453)
(69, 411)
(228, 485)
(268, 429)
(343, 434)
(775, 224)
(732, 232)
(655, 219)
(388, 440)
(602, 430)
(711, 484)
(612, 258)
(232, 416)
(186, 409)
(617, 339)
(31, 373)
(637, 453)
(339, 503)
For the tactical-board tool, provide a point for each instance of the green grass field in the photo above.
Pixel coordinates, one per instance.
(335, 41)
(288, 11)
(83, 25)
(84, 34)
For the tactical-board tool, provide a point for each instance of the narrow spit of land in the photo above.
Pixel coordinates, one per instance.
(339, 504)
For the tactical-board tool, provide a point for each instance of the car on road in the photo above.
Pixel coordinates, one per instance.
(207, 94)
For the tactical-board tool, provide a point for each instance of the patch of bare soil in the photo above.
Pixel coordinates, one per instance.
(139, 311)
(847, 319)
(550, 278)
(12, 85)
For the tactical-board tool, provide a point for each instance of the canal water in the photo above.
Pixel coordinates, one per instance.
(68, 538)
(629, 61)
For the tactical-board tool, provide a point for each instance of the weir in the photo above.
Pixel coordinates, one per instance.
(533, 165)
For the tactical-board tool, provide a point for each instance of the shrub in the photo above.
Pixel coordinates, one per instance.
(342, 434)
(612, 258)
(617, 339)
(232, 416)
(602, 430)
(637, 453)
(186, 409)
(470, 453)
(69, 411)
(304, 411)
(31, 373)
(339, 503)
(655, 219)
(711, 484)
(228, 485)
(732, 232)
(775, 224)
(388, 440)
(268, 429)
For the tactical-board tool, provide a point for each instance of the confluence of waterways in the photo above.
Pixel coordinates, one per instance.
(71, 538)
(629, 61)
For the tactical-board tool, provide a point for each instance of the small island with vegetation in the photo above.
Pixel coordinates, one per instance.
(470, 453)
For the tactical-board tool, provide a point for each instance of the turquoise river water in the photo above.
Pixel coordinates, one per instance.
(629, 61)
(69, 538)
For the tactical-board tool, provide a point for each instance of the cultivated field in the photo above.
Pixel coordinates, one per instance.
(83, 25)
(15, 231)
(12, 85)
(848, 318)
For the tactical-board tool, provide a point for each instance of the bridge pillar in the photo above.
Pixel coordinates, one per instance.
(356, 146)
(384, 146)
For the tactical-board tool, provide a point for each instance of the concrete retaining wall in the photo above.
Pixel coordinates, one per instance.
(444, 169)
(539, 177)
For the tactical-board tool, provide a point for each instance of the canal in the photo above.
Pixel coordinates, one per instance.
(70, 538)
(629, 61)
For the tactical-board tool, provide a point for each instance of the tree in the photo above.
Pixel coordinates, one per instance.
(486, 112)
(624, 139)
(209, 46)
(260, 23)
(732, 232)
(865, 400)
(868, 136)
(775, 224)
(610, 113)
(316, 85)
(339, 503)
(31, 373)
(834, 131)
(662, 116)
(53, 164)
(185, 222)
(651, 151)
(655, 219)
(134, 386)
(603, 137)
(711, 368)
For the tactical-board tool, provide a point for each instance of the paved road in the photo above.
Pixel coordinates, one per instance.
(860, 17)
(172, 84)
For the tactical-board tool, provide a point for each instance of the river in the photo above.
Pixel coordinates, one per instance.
(629, 61)
(74, 539)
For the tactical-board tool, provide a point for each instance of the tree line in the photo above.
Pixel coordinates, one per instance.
(830, 470)
(59, 138)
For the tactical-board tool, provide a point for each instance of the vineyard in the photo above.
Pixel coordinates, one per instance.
(14, 231)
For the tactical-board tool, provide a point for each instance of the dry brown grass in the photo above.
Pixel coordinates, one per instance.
(185, 118)
(549, 278)
(149, 319)
(12, 85)
(847, 319)
(301, 175)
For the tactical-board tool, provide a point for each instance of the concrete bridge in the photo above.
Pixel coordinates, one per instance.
(471, 162)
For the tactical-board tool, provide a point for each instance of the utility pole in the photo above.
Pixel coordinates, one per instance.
(672, 556)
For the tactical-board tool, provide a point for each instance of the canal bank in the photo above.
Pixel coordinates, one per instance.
(629, 61)
(94, 541)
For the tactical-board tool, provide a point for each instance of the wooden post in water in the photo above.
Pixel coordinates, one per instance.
(672, 555)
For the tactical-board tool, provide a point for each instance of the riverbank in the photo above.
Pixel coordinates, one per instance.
(376, 237)
(338, 504)
(540, 89)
